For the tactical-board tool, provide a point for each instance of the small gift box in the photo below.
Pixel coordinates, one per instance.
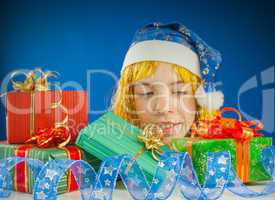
(110, 135)
(32, 109)
(240, 138)
(245, 156)
(23, 180)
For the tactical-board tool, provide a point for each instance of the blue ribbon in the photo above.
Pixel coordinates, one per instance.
(6, 180)
(174, 169)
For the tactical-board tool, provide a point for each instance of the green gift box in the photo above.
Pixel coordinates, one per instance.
(23, 178)
(245, 156)
(110, 135)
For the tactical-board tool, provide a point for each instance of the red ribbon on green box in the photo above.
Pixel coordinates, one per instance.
(239, 134)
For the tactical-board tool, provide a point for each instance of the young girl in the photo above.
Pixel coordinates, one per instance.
(161, 82)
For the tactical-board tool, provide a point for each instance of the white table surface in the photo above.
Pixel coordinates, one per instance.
(121, 193)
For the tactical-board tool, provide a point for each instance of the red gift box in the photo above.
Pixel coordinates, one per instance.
(29, 112)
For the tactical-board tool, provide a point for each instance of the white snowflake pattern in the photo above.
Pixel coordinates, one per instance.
(220, 182)
(211, 172)
(210, 159)
(159, 195)
(193, 182)
(222, 160)
(108, 170)
(45, 186)
(86, 180)
(161, 164)
(51, 174)
(107, 182)
(155, 181)
(99, 194)
(200, 47)
(174, 163)
(223, 169)
(41, 195)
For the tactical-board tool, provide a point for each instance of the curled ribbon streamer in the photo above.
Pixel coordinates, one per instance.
(174, 169)
(56, 135)
(37, 81)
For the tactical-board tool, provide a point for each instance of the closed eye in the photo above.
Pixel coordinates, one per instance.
(180, 92)
(146, 94)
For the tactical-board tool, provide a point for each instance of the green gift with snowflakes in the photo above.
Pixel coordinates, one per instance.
(245, 156)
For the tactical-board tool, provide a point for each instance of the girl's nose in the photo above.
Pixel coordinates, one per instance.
(162, 105)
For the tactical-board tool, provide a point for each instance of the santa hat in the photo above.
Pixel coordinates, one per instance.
(174, 43)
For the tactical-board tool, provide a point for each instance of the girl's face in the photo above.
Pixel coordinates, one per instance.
(163, 99)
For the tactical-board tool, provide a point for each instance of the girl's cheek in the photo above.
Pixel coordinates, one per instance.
(187, 104)
(141, 109)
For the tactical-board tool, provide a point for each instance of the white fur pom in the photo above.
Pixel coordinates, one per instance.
(211, 100)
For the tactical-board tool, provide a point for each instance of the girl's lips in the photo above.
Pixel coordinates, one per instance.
(170, 128)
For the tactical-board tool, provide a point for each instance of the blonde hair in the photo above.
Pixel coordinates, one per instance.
(123, 102)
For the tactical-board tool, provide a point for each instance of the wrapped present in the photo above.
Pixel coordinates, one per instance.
(240, 138)
(110, 135)
(23, 180)
(246, 157)
(34, 113)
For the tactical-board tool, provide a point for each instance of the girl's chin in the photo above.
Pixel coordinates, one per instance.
(173, 131)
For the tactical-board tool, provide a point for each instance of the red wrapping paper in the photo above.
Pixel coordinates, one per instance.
(19, 112)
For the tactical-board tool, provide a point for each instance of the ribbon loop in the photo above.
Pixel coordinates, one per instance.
(222, 127)
(173, 169)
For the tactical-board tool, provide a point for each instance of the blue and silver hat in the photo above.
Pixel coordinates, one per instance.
(176, 44)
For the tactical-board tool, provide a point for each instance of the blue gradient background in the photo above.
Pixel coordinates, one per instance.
(74, 36)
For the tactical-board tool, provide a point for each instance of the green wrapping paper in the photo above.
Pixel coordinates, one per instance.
(110, 135)
(45, 155)
(256, 169)
(200, 148)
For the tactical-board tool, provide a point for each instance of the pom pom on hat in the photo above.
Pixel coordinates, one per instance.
(176, 44)
(211, 100)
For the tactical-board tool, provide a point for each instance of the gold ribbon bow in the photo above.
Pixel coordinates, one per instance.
(36, 80)
(152, 137)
